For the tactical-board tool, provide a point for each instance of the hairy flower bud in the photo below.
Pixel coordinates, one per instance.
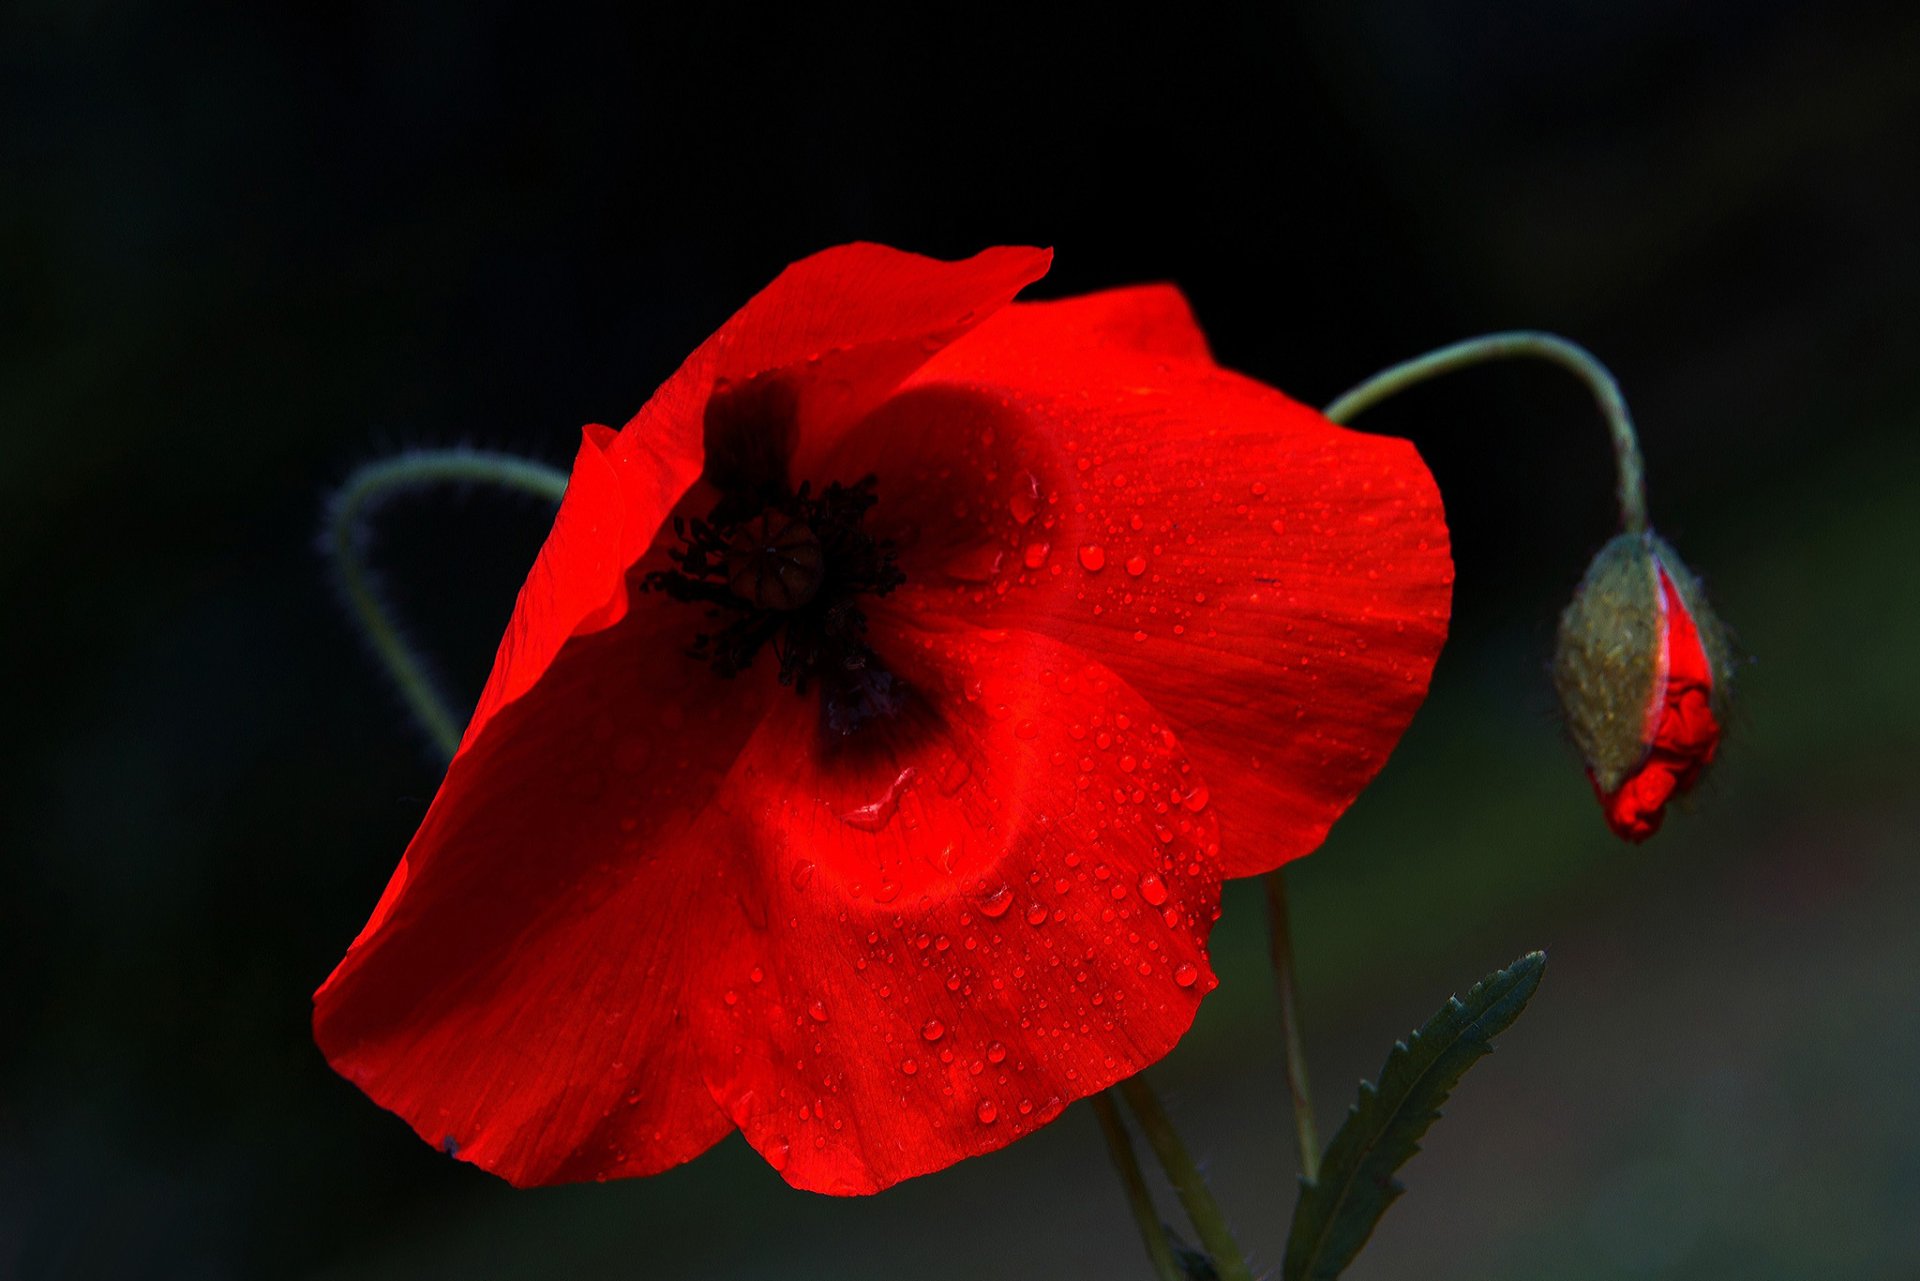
(1642, 668)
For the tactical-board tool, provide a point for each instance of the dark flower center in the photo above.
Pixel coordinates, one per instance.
(790, 575)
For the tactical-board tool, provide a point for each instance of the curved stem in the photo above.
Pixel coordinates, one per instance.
(1571, 356)
(1209, 1223)
(1280, 943)
(1152, 1232)
(348, 513)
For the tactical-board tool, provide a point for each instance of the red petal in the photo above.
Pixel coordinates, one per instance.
(1276, 586)
(973, 914)
(1686, 735)
(523, 990)
(842, 328)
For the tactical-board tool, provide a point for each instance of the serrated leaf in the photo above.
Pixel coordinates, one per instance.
(1337, 1212)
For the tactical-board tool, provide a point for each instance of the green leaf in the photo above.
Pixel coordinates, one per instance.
(1337, 1212)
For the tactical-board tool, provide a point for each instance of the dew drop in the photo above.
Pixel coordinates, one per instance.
(934, 1029)
(987, 1113)
(817, 1012)
(996, 1053)
(1137, 565)
(1186, 974)
(1153, 889)
(1026, 495)
(802, 875)
(1093, 558)
(1196, 800)
(909, 1067)
(1036, 554)
(778, 1152)
(994, 905)
(1036, 915)
(875, 815)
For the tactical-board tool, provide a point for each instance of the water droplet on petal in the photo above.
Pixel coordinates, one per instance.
(933, 1029)
(987, 1113)
(1153, 889)
(817, 1012)
(802, 875)
(994, 905)
(1137, 565)
(1036, 554)
(996, 1053)
(875, 815)
(1196, 800)
(1026, 496)
(1093, 558)
(1185, 974)
(778, 1152)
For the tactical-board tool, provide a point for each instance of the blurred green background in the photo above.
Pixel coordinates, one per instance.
(245, 247)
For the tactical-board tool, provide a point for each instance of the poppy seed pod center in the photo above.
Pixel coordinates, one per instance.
(792, 576)
(775, 562)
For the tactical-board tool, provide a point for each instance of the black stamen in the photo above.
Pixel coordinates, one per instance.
(790, 574)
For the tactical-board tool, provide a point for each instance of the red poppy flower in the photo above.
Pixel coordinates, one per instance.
(873, 732)
(1682, 731)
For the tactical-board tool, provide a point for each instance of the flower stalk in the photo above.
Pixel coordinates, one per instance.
(1209, 1221)
(1286, 980)
(1532, 345)
(1153, 1233)
(347, 535)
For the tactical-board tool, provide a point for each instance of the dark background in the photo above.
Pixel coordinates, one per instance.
(247, 248)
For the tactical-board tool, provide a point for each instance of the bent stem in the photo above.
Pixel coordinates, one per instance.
(1280, 943)
(1153, 1233)
(348, 514)
(1529, 344)
(1209, 1223)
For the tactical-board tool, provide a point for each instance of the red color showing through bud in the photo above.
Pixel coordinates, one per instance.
(1685, 733)
(1074, 624)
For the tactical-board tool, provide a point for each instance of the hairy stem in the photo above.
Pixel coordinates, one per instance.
(1153, 1233)
(1523, 344)
(347, 535)
(1209, 1223)
(1280, 945)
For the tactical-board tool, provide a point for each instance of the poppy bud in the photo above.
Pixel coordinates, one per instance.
(1642, 668)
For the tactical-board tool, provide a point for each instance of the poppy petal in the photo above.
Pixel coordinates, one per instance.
(974, 913)
(521, 996)
(1276, 586)
(837, 330)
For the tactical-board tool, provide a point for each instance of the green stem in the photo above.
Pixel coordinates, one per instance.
(1209, 1223)
(1280, 944)
(1152, 1232)
(348, 514)
(1532, 345)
